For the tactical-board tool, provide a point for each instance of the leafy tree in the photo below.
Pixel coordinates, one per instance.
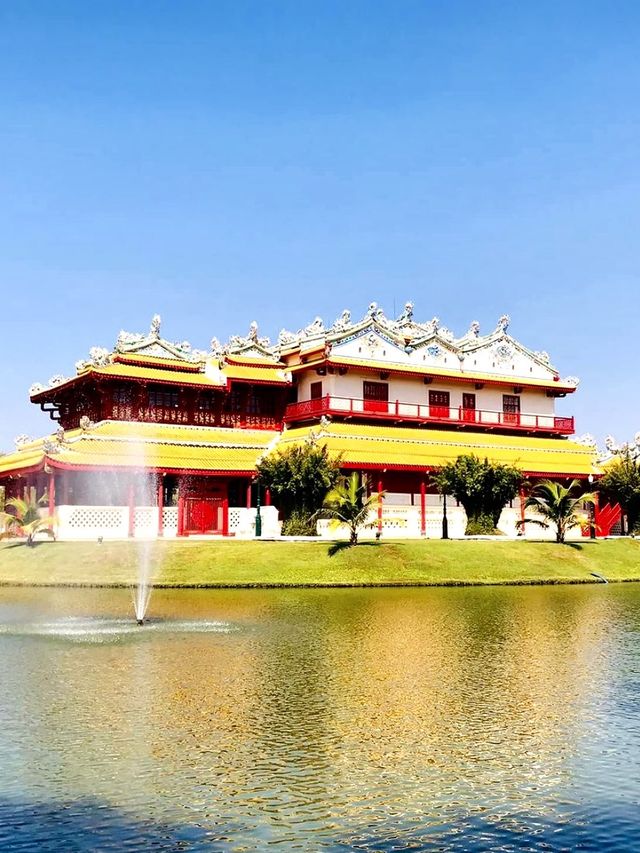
(559, 507)
(621, 484)
(26, 519)
(347, 503)
(483, 488)
(299, 478)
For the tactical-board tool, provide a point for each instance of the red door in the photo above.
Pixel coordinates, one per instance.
(439, 404)
(469, 408)
(204, 515)
(376, 396)
(511, 409)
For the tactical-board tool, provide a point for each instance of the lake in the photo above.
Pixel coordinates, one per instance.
(364, 719)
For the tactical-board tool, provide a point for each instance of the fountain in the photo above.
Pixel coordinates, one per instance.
(139, 485)
(141, 595)
(145, 497)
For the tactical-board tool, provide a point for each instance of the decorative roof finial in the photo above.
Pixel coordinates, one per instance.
(154, 331)
(407, 314)
(474, 329)
(342, 322)
(503, 323)
(253, 332)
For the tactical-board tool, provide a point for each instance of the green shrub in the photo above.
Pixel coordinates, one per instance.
(299, 524)
(483, 488)
(481, 526)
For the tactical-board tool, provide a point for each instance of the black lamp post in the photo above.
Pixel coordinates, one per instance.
(445, 521)
(258, 516)
(592, 514)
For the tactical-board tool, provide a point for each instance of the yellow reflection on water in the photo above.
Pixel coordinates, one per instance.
(317, 711)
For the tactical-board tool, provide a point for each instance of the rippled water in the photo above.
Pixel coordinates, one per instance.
(419, 719)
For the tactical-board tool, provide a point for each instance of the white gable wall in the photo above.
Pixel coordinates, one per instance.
(501, 357)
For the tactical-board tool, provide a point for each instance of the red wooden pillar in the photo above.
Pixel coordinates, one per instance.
(225, 517)
(160, 505)
(132, 509)
(249, 495)
(267, 497)
(423, 508)
(52, 493)
(380, 505)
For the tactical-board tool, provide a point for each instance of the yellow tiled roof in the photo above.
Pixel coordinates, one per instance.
(155, 374)
(122, 444)
(140, 373)
(252, 360)
(396, 447)
(162, 363)
(245, 373)
(28, 456)
(172, 376)
(446, 373)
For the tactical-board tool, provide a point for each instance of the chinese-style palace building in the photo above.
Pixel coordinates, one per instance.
(154, 438)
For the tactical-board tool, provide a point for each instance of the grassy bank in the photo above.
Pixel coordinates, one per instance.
(431, 562)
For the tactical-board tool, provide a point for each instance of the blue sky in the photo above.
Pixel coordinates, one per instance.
(221, 162)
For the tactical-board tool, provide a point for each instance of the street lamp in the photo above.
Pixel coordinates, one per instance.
(445, 522)
(258, 516)
(592, 513)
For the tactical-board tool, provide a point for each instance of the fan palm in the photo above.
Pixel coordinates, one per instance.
(26, 519)
(557, 507)
(347, 503)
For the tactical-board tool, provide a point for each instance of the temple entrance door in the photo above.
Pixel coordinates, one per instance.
(376, 396)
(468, 412)
(204, 515)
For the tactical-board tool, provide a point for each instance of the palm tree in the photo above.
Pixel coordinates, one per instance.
(26, 520)
(347, 503)
(558, 506)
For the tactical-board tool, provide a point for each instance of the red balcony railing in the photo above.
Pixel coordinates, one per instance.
(349, 407)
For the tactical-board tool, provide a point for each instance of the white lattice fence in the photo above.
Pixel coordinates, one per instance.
(170, 521)
(145, 520)
(91, 522)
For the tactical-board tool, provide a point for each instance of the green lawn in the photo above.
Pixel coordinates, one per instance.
(189, 563)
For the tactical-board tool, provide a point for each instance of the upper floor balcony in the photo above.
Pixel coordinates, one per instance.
(398, 412)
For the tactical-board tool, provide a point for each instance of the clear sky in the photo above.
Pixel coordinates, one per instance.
(219, 162)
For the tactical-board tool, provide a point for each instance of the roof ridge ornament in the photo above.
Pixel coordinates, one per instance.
(343, 322)
(237, 343)
(503, 323)
(407, 315)
(22, 439)
(154, 329)
(314, 329)
(215, 347)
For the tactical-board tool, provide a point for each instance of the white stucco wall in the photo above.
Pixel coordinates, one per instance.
(408, 389)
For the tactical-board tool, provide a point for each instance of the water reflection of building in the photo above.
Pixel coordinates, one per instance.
(156, 438)
(322, 714)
